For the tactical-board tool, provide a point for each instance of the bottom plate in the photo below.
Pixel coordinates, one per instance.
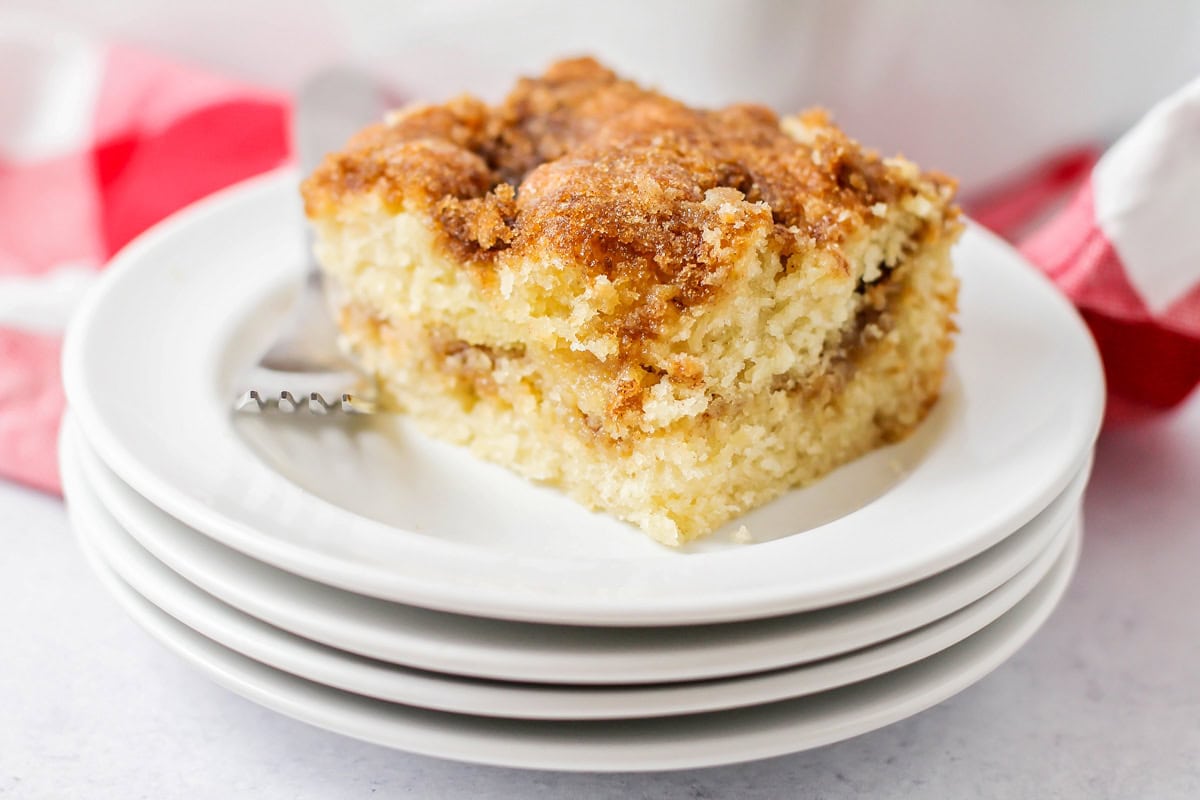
(676, 742)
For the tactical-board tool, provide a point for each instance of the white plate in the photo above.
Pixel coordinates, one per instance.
(149, 369)
(269, 645)
(696, 740)
(554, 654)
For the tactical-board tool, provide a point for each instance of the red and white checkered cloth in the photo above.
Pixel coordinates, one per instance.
(99, 142)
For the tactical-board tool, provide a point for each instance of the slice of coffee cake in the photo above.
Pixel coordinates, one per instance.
(674, 314)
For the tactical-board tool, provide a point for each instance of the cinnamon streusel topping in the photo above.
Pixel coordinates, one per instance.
(595, 171)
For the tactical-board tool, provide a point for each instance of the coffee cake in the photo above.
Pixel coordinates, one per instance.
(675, 314)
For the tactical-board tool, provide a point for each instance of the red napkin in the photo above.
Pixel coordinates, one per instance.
(98, 143)
(1126, 249)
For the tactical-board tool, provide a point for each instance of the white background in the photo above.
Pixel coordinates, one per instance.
(975, 88)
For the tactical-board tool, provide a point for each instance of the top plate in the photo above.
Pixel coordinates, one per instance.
(374, 507)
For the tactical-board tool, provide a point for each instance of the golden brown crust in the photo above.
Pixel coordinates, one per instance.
(595, 171)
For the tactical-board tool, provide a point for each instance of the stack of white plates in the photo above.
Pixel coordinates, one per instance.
(365, 579)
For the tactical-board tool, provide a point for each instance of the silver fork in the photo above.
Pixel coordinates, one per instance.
(304, 369)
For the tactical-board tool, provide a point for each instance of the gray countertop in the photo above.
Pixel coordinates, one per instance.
(1103, 702)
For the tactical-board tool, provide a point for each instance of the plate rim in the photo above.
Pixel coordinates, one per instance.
(406, 642)
(229, 627)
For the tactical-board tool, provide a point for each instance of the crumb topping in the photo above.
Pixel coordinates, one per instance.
(622, 180)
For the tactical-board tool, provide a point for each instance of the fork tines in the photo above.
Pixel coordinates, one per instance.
(315, 403)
